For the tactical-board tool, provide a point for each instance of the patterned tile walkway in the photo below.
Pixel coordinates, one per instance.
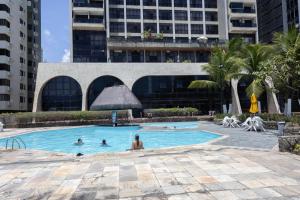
(241, 166)
(189, 173)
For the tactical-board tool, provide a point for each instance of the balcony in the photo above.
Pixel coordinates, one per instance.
(4, 89)
(4, 15)
(4, 44)
(242, 28)
(5, 105)
(85, 8)
(157, 44)
(5, 60)
(4, 30)
(88, 24)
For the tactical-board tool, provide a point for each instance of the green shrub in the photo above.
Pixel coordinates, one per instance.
(170, 112)
(297, 149)
(22, 118)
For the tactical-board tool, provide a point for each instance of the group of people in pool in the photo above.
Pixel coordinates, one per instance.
(137, 144)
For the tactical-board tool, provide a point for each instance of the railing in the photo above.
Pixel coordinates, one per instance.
(15, 141)
(89, 5)
(242, 10)
(92, 21)
(244, 25)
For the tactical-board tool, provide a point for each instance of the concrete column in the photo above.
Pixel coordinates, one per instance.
(84, 100)
(157, 17)
(142, 18)
(203, 18)
(125, 20)
(236, 105)
(173, 20)
(273, 106)
(106, 8)
(189, 20)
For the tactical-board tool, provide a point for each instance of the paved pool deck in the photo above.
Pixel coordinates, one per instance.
(240, 166)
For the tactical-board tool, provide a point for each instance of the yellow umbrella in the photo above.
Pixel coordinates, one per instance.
(254, 104)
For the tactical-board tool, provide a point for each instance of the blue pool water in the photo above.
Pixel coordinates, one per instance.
(173, 125)
(119, 139)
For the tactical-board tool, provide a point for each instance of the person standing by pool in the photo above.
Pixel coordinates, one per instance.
(137, 144)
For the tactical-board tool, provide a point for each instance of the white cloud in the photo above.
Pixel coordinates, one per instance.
(47, 33)
(66, 57)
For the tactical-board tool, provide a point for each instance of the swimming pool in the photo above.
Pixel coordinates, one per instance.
(118, 138)
(173, 125)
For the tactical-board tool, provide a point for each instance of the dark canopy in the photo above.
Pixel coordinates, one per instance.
(116, 98)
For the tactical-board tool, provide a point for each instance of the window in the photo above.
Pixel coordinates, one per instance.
(212, 29)
(133, 27)
(22, 73)
(133, 14)
(165, 15)
(4, 97)
(116, 13)
(4, 22)
(196, 3)
(22, 60)
(211, 4)
(4, 82)
(150, 26)
(181, 15)
(4, 67)
(180, 3)
(196, 16)
(4, 37)
(22, 47)
(21, 9)
(149, 14)
(22, 86)
(61, 93)
(165, 3)
(181, 29)
(197, 29)
(22, 35)
(116, 2)
(22, 99)
(149, 2)
(4, 7)
(4, 52)
(166, 28)
(133, 2)
(211, 16)
(116, 27)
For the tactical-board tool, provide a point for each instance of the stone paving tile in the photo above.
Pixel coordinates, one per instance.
(195, 172)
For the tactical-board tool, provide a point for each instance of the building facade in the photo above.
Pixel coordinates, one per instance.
(15, 50)
(276, 16)
(157, 30)
(34, 55)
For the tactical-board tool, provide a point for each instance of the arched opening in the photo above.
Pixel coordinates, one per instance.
(172, 91)
(97, 86)
(245, 100)
(62, 93)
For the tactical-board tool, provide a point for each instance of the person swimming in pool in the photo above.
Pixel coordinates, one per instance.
(137, 144)
(104, 144)
(79, 142)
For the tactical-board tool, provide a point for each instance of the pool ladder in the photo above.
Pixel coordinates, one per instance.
(15, 141)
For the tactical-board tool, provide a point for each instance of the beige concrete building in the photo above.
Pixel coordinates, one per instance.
(14, 53)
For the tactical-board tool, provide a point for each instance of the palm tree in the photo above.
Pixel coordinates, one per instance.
(286, 63)
(224, 62)
(255, 59)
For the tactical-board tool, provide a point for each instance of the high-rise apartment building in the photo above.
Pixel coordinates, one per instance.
(276, 16)
(157, 30)
(14, 51)
(34, 55)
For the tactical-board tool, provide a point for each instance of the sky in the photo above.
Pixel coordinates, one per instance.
(55, 30)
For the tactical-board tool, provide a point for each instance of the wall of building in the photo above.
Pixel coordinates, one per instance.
(15, 91)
